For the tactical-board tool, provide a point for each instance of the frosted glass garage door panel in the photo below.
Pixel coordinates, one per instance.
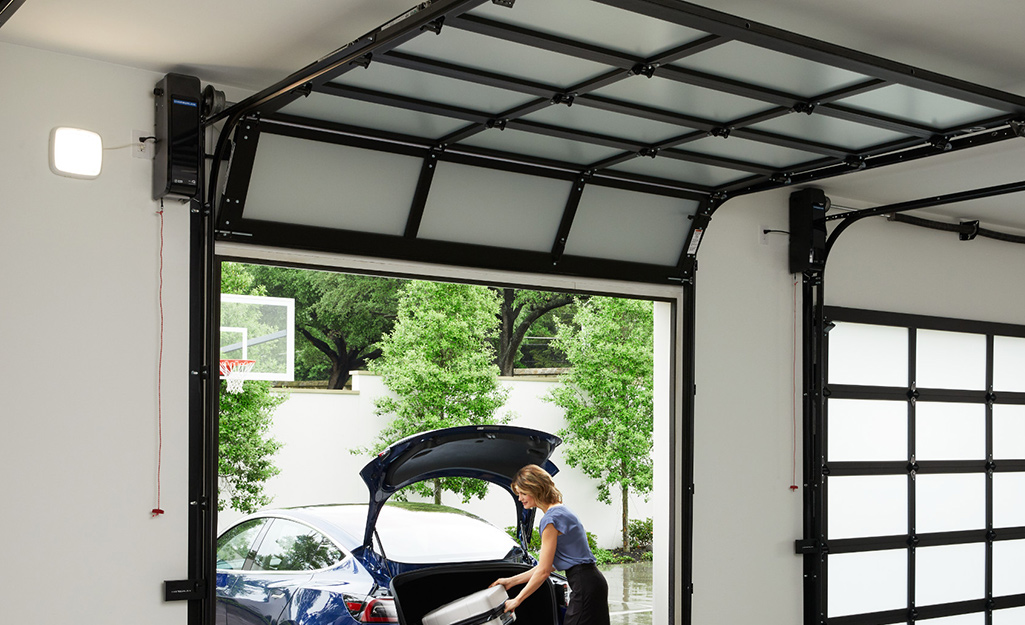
(369, 115)
(496, 208)
(948, 431)
(1009, 568)
(875, 505)
(490, 54)
(862, 429)
(1008, 364)
(774, 70)
(532, 143)
(922, 107)
(951, 360)
(950, 573)
(978, 618)
(331, 186)
(1008, 499)
(1012, 616)
(949, 503)
(872, 581)
(637, 227)
(868, 355)
(432, 88)
(1008, 432)
(584, 20)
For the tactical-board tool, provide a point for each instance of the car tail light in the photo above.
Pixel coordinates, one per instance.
(353, 604)
(380, 610)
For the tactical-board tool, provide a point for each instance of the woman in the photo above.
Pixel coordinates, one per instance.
(563, 548)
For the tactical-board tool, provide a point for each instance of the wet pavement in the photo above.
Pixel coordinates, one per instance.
(630, 593)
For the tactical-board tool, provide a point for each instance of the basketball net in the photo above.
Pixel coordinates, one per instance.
(234, 372)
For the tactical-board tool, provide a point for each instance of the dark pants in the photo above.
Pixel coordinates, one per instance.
(589, 596)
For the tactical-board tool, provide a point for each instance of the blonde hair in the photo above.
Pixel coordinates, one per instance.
(535, 481)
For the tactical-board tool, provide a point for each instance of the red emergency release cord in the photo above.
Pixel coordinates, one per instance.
(155, 512)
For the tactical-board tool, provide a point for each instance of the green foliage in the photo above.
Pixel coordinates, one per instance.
(238, 279)
(339, 318)
(245, 451)
(534, 547)
(604, 556)
(640, 532)
(439, 363)
(607, 395)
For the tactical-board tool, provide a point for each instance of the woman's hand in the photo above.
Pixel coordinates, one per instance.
(512, 604)
(502, 581)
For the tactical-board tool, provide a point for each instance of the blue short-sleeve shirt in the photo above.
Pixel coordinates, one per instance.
(572, 548)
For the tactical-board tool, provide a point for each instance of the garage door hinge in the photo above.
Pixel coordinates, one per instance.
(184, 589)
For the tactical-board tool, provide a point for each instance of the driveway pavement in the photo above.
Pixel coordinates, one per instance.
(630, 597)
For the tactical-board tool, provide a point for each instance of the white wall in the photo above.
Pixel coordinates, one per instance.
(79, 330)
(319, 429)
(746, 517)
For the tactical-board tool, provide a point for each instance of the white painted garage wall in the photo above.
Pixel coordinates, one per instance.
(79, 327)
(746, 518)
(319, 428)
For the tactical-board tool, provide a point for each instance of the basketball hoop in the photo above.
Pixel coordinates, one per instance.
(234, 372)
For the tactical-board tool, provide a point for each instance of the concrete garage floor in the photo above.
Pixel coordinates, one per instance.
(630, 597)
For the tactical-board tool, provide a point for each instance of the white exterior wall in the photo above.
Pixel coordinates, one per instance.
(319, 429)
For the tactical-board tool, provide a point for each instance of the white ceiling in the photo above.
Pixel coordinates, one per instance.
(250, 44)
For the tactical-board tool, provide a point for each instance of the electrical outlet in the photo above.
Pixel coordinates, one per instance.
(143, 149)
(763, 235)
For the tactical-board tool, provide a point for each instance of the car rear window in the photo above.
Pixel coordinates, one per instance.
(422, 535)
(291, 546)
(233, 546)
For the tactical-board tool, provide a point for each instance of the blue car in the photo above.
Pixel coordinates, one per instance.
(385, 562)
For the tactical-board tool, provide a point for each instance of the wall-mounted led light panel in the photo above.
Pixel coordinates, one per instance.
(75, 153)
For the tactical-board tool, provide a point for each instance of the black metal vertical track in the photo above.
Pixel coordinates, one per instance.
(818, 481)
(202, 454)
(912, 472)
(686, 430)
(809, 461)
(990, 400)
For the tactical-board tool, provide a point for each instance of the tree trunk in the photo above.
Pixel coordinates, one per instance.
(506, 348)
(512, 330)
(626, 508)
(437, 492)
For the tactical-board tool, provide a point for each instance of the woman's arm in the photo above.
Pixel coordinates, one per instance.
(537, 575)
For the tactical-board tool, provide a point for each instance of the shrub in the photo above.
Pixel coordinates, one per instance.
(639, 532)
(604, 556)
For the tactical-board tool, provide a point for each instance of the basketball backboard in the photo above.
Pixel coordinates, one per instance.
(261, 329)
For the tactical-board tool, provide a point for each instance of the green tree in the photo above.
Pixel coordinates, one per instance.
(520, 309)
(245, 451)
(438, 360)
(607, 396)
(340, 316)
